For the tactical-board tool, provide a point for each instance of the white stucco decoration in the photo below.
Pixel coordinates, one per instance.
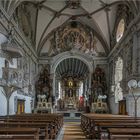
(118, 79)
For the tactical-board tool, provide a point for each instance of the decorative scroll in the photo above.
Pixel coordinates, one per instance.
(73, 35)
(118, 79)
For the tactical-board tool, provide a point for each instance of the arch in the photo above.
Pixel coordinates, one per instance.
(59, 58)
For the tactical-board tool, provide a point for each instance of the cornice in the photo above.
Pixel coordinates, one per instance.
(45, 60)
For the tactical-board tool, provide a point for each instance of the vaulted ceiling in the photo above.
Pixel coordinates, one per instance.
(72, 67)
(39, 18)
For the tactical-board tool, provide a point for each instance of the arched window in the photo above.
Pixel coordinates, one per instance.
(118, 79)
(120, 30)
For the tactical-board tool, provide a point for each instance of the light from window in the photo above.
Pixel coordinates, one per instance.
(120, 30)
(59, 91)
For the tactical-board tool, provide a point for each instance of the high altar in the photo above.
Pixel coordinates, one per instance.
(70, 97)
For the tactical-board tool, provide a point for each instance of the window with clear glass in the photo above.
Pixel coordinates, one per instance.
(120, 30)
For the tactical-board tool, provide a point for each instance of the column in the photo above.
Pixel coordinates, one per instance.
(138, 59)
(53, 83)
(89, 82)
(135, 55)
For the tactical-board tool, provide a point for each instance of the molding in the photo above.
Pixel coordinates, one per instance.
(56, 60)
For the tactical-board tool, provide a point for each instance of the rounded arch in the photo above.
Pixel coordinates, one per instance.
(59, 58)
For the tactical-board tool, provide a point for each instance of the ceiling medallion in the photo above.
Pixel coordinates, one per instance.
(73, 4)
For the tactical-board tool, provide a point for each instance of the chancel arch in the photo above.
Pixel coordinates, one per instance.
(72, 76)
(61, 57)
(73, 54)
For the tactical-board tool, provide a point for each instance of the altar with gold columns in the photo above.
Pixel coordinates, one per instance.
(70, 95)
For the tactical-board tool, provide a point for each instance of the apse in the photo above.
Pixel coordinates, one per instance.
(71, 82)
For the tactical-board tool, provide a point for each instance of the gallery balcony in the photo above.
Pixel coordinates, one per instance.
(12, 50)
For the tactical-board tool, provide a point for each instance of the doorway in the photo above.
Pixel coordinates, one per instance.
(20, 106)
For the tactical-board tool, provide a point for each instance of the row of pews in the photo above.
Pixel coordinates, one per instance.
(110, 127)
(30, 126)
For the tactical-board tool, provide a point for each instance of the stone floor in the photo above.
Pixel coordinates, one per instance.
(71, 131)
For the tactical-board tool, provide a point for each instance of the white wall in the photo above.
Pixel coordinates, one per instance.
(3, 103)
(131, 105)
(13, 106)
(113, 106)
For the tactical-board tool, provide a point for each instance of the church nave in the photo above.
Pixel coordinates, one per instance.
(69, 69)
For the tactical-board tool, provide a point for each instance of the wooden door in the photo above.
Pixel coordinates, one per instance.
(20, 106)
(122, 107)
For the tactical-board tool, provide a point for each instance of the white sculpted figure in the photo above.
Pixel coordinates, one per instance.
(118, 93)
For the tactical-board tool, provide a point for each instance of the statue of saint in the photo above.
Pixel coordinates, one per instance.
(118, 93)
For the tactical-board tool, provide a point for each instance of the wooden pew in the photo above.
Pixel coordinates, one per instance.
(31, 118)
(57, 118)
(16, 137)
(99, 126)
(103, 127)
(89, 122)
(124, 133)
(51, 123)
(44, 128)
(19, 133)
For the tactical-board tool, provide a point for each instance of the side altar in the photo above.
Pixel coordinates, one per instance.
(43, 106)
(44, 99)
(99, 92)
